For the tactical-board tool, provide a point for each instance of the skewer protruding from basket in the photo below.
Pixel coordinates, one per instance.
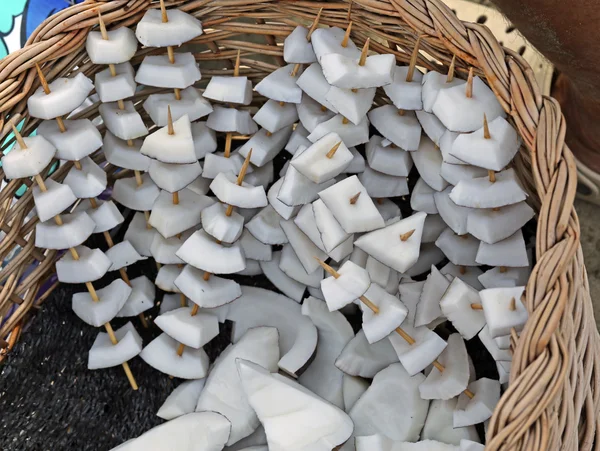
(451, 69)
(413, 61)
(364, 52)
(347, 36)
(314, 25)
(469, 87)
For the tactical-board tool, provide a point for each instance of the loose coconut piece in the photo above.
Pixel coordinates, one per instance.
(361, 358)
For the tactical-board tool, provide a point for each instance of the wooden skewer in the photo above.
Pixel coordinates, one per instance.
(462, 270)
(236, 68)
(240, 179)
(333, 150)
(170, 51)
(295, 69)
(398, 330)
(114, 341)
(380, 201)
(347, 36)
(503, 269)
(20, 140)
(313, 27)
(363, 53)
(323, 108)
(401, 112)
(469, 89)
(228, 137)
(163, 10)
(476, 306)
(282, 103)
(176, 198)
(354, 198)
(46, 87)
(103, 31)
(171, 130)
(138, 178)
(496, 209)
(407, 235)
(492, 176)
(450, 76)
(269, 133)
(345, 120)
(486, 128)
(413, 61)
(513, 304)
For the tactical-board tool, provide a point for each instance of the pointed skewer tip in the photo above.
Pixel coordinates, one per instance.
(450, 76)
(413, 61)
(354, 198)
(103, 31)
(313, 27)
(364, 52)
(407, 235)
(333, 150)
(347, 36)
(469, 89)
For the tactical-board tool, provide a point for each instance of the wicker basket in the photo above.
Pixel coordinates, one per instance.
(553, 399)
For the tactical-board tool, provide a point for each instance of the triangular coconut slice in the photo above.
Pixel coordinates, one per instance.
(299, 137)
(351, 206)
(332, 233)
(403, 93)
(210, 293)
(164, 249)
(128, 193)
(504, 310)
(75, 229)
(265, 146)
(161, 354)
(330, 40)
(410, 295)
(351, 134)
(439, 424)
(492, 146)
(495, 224)
(30, 161)
(432, 127)
(357, 165)
(53, 201)
(445, 143)
(171, 146)
(457, 305)
(265, 227)
(154, 31)
(120, 46)
(121, 86)
(353, 104)
(378, 412)
(206, 431)
(433, 228)
(223, 392)
(468, 274)
(205, 139)
(312, 114)
(81, 139)
(428, 161)
(322, 377)
(479, 408)
(91, 266)
(325, 159)
(296, 405)
(122, 255)
(509, 252)
(460, 250)
(304, 248)
(140, 235)
(392, 312)
(352, 283)
(483, 193)
(273, 116)
(453, 215)
(103, 354)
(433, 83)
(286, 284)
(190, 104)
(429, 254)
(356, 73)
(280, 85)
(191, 330)
(313, 83)
(482, 101)
(124, 124)
(237, 90)
(297, 47)
(360, 358)
(140, 299)
(106, 215)
(89, 181)
(490, 344)
(182, 400)
(227, 190)
(503, 277)
(343, 250)
(381, 185)
(222, 227)
(428, 309)
(396, 245)
(402, 129)
(454, 379)
(119, 154)
(65, 95)
(173, 177)
(283, 211)
(215, 163)
(231, 120)
(454, 173)
(203, 252)
(389, 159)
(158, 71)
(503, 373)
(171, 218)
(417, 356)
(290, 264)
(111, 299)
(422, 198)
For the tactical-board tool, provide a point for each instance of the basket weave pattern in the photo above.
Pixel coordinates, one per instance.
(553, 399)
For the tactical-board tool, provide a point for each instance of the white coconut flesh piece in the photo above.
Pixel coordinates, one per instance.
(180, 27)
(205, 139)
(453, 215)
(284, 211)
(280, 85)
(405, 94)
(503, 372)
(257, 441)
(439, 424)
(388, 209)
(457, 305)
(120, 154)
(163, 250)
(173, 177)
(236, 90)
(122, 255)
(360, 216)
(158, 71)
(353, 104)
(110, 300)
(228, 191)
(482, 101)
(468, 274)
(460, 250)
(432, 126)
(223, 392)
(136, 197)
(65, 95)
(378, 412)
(316, 292)
(503, 342)
(87, 182)
(404, 130)
(299, 137)
(306, 250)
(265, 227)
(454, 173)
(191, 330)
(91, 266)
(357, 165)
(353, 387)
(231, 120)
(495, 224)
(428, 309)
(74, 230)
(176, 147)
(170, 302)
(378, 272)
(359, 257)
(140, 235)
(504, 310)
(161, 354)
(165, 279)
(265, 146)
(273, 116)
(120, 46)
(410, 295)
(103, 354)
(389, 159)
(428, 161)
(297, 47)
(422, 198)
(219, 225)
(200, 186)
(429, 254)
(124, 124)
(360, 358)
(206, 431)
(482, 193)
(490, 149)
(396, 245)
(140, 299)
(289, 286)
(479, 408)
(446, 142)
(351, 134)
(19, 163)
(323, 160)
(381, 443)
(509, 252)
(417, 356)
(215, 163)
(53, 201)
(356, 73)
(203, 252)
(210, 293)
(343, 250)
(392, 312)
(433, 83)
(352, 283)
(182, 400)
(290, 264)
(294, 405)
(120, 86)
(497, 353)
(312, 114)
(329, 40)
(332, 233)
(503, 277)
(433, 228)
(81, 139)
(455, 377)
(190, 104)
(313, 83)
(468, 445)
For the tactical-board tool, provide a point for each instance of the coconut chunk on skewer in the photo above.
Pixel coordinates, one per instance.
(122, 255)
(205, 139)
(454, 173)
(460, 250)
(495, 224)
(428, 161)
(433, 228)
(434, 82)
(206, 291)
(235, 90)
(303, 246)
(432, 127)
(389, 159)
(189, 103)
(59, 97)
(103, 354)
(243, 195)
(428, 309)
(165, 279)
(290, 264)
(360, 358)
(422, 198)
(111, 47)
(201, 251)
(265, 146)
(163, 250)
(161, 28)
(391, 312)
(99, 312)
(176, 137)
(325, 159)
(352, 282)
(266, 228)
(273, 116)
(353, 104)
(91, 265)
(503, 277)
(332, 233)
(73, 139)
(380, 185)
(313, 84)
(28, 157)
(182, 400)
(86, 179)
(140, 197)
(253, 248)
(73, 230)
(351, 134)
(170, 218)
(479, 408)
(121, 154)
(159, 71)
(297, 47)
(410, 295)
(140, 234)
(215, 163)
(142, 297)
(125, 123)
(115, 83)
(453, 215)
(504, 190)
(311, 114)
(468, 274)
(426, 346)
(298, 138)
(334, 40)
(223, 227)
(445, 144)
(173, 177)
(53, 201)
(490, 344)
(190, 330)
(510, 252)
(231, 120)
(439, 424)
(280, 85)
(399, 126)
(504, 310)
(161, 354)
(461, 304)
(405, 89)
